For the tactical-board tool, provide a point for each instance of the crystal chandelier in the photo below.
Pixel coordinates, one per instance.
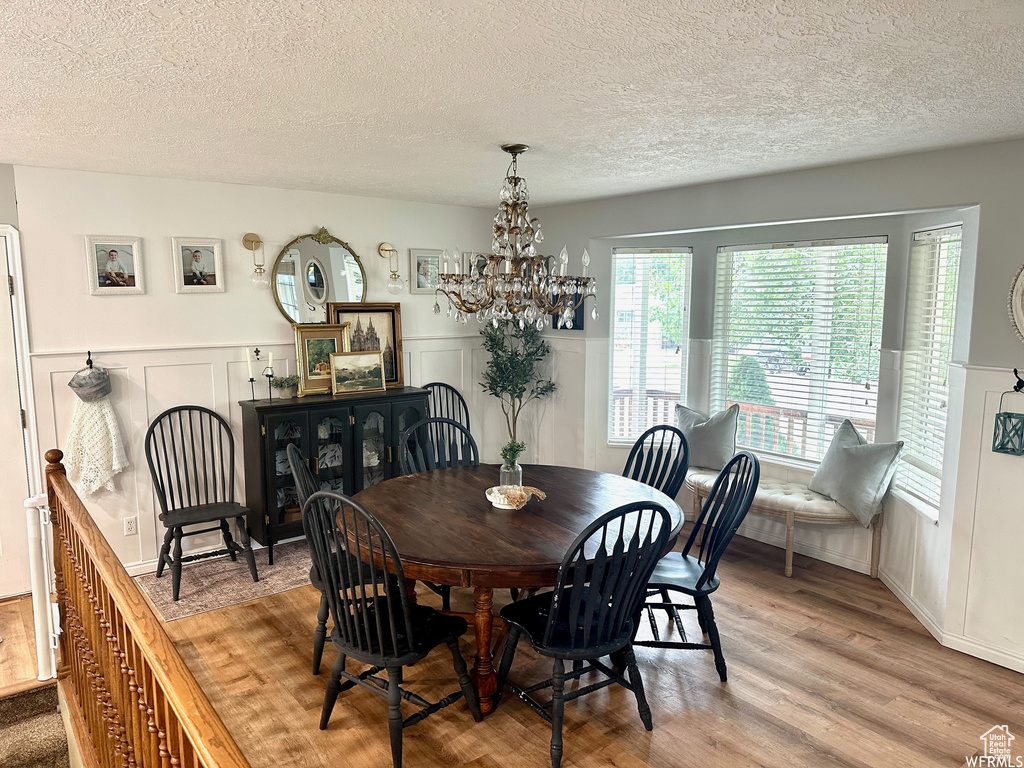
(514, 282)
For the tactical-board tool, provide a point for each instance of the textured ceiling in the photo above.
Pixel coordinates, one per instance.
(409, 99)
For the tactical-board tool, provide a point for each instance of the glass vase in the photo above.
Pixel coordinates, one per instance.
(511, 474)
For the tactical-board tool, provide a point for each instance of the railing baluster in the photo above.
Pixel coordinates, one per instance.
(141, 706)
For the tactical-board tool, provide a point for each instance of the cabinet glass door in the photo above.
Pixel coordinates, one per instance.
(282, 498)
(373, 452)
(330, 439)
(404, 415)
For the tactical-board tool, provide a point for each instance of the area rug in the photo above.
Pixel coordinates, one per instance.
(207, 585)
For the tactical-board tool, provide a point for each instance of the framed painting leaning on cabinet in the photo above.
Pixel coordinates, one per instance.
(374, 327)
(314, 345)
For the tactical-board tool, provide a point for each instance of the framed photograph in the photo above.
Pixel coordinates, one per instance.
(357, 372)
(314, 345)
(198, 265)
(424, 267)
(372, 328)
(115, 265)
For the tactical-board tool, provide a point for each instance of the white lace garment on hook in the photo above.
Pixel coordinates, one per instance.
(94, 451)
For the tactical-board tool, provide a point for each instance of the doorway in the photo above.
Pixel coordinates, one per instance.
(14, 462)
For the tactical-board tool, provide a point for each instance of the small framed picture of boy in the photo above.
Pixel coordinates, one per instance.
(425, 265)
(114, 265)
(198, 265)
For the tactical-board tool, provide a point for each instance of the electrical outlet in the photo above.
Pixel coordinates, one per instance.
(131, 525)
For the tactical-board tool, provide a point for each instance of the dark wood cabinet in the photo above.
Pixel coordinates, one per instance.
(350, 442)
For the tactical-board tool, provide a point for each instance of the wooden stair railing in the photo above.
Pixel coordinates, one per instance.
(130, 695)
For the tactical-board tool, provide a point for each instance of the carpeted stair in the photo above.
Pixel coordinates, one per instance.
(31, 732)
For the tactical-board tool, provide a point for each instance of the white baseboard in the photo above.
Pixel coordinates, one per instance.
(921, 613)
(986, 651)
(961, 643)
(818, 553)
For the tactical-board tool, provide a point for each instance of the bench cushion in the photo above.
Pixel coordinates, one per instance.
(776, 498)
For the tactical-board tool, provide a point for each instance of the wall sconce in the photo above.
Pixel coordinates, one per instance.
(260, 278)
(387, 251)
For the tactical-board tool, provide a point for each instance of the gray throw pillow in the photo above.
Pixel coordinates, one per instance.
(712, 440)
(856, 473)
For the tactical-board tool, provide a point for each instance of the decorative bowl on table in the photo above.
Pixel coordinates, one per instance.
(498, 495)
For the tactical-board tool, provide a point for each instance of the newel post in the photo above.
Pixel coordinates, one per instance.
(53, 468)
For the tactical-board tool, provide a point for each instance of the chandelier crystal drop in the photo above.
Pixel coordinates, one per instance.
(514, 281)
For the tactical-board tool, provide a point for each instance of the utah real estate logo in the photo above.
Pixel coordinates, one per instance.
(998, 750)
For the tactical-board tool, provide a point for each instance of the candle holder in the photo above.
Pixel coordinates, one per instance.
(269, 373)
(252, 380)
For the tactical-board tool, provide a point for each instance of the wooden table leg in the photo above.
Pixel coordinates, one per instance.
(483, 674)
(410, 590)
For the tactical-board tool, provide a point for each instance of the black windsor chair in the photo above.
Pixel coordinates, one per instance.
(592, 611)
(693, 571)
(191, 455)
(375, 622)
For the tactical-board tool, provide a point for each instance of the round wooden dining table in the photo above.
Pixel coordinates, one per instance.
(447, 533)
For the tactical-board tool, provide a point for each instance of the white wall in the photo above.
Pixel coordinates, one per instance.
(165, 349)
(934, 568)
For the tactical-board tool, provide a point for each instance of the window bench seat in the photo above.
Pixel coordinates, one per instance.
(791, 502)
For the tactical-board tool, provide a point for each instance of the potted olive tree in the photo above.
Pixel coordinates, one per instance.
(513, 376)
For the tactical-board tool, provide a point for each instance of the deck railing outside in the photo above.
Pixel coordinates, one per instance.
(130, 695)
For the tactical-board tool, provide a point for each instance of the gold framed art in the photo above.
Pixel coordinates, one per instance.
(314, 345)
(373, 327)
(357, 372)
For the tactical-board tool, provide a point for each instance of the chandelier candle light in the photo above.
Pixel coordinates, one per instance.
(514, 283)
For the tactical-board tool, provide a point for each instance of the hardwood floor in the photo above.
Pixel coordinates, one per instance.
(825, 669)
(18, 650)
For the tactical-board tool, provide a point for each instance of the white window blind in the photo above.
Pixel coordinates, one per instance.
(927, 349)
(797, 332)
(650, 333)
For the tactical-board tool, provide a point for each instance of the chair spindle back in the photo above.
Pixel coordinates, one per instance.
(191, 455)
(446, 402)
(723, 511)
(602, 580)
(305, 485)
(436, 443)
(660, 458)
(371, 611)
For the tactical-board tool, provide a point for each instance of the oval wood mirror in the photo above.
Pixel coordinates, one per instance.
(312, 271)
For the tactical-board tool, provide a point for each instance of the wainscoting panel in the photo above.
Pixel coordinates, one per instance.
(147, 381)
(441, 365)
